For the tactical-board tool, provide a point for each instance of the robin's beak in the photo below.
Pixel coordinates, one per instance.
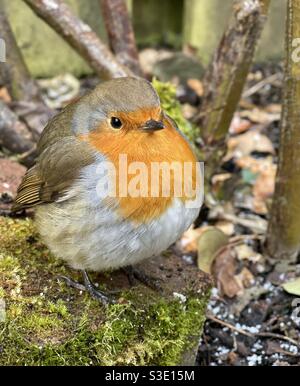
(153, 125)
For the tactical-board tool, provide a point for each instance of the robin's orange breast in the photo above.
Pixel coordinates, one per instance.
(166, 146)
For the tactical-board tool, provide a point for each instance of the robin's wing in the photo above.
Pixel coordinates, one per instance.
(55, 171)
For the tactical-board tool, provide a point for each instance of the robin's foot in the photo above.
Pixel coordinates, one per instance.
(94, 292)
(72, 283)
(134, 274)
(90, 287)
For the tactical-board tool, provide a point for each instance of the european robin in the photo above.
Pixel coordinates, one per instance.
(119, 118)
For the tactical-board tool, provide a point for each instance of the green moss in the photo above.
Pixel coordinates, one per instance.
(170, 104)
(48, 323)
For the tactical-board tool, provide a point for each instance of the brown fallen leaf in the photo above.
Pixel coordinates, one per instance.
(239, 125)
(245, 252)
(188, 241)
(245, 279)
(209, 243)
(244, 144)
(226, 227)
(188, 111)
(263, 186)
(4, 95)
(224, 270)
(263, 189)
(260, 116)
(255, 165)
(274, 108)
(196, 85)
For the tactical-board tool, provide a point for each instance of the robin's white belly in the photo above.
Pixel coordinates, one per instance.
(90, 235)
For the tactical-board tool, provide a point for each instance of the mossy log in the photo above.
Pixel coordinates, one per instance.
(45, 322)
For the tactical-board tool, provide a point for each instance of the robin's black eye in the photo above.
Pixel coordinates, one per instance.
(115, 122)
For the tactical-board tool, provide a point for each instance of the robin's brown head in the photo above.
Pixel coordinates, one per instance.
(121, 104)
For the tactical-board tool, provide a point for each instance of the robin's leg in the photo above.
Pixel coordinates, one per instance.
(135, 273)
(94, 292)
(90, 287)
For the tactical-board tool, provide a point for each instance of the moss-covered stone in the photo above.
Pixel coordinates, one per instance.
(48, 323)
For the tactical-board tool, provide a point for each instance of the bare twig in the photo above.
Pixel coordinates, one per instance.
(228, 325)
(80, 36)
(14, 134)
(14, 73)
(277, 336)
(252, 90)
(252, 335)
(120, 33)
(21, 86)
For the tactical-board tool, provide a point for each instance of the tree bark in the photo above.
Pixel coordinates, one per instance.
(80, 36)
(226, 75)
(120, 33)
(14, 73)
(283, 237)
(14, 135)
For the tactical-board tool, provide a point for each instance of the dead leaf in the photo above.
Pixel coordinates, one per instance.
(292, 287)
(232, 358)
(260, 116)
(224, 270)
(244, 144)
(226, 227)
(245, 278)
(188, 111)
(188, 241)
(263, 183)
(263, 189)
(255, 165)
(209, 244)
(239, 125)
(274, 108)
(245, 252)
(4, 95)
(248, 295)
(196, 85)
(255, 223)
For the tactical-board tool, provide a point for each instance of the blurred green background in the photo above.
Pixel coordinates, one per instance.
(197, 24)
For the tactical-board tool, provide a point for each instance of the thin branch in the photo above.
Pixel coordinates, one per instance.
(120, 33)
(252, 335)
(226, 76)
(14, 73)
(14, 134)
(80, 36)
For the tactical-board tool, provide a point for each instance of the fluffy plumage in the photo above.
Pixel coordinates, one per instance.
(92, 233)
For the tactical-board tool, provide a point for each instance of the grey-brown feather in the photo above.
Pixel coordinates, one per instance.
(55, 171)
(61, 154)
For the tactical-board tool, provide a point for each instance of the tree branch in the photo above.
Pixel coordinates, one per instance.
(226, 76)
(283, 237)
(14, 135)
(80, 36)
(120, 32)
(14, 73)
